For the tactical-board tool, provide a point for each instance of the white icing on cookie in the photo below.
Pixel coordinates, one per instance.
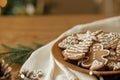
(114, 66)
(68, 42)
(118, 47)
(109, 40)
(96, 65)
(87, 35)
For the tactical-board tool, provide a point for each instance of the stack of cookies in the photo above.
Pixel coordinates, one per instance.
(95, 51)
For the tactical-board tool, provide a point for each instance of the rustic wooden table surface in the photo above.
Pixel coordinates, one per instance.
(42, 29)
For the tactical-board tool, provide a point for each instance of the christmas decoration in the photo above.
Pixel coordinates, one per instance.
(30, 75)
(3, 3)
(5, 71)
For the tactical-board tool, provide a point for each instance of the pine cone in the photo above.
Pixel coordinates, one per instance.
(5, 71)
(30, 75)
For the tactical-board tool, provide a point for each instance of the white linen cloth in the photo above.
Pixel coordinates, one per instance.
(43, 60)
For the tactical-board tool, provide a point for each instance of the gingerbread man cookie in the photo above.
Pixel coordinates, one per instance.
(96, 58)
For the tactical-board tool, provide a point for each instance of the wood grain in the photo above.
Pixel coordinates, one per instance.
(42, 29)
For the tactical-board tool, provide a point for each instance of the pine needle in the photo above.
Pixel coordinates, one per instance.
(19, 54)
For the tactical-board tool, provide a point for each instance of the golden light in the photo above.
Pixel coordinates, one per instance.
(3, 3)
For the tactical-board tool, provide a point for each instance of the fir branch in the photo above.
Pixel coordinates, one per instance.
(24, 47)
(16, 55)
(8, 47)
(19, 54)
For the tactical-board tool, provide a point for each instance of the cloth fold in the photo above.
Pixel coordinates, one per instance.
(42, 58)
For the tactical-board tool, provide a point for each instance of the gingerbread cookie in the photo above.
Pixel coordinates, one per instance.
(73, 54)
(87, 39)
(68, 42)
(113, 65)
(109, 40)
(93, 50)
(96, 56)
(118, 47)
(113, 61)
(88, 35)
(116, 34)
(77, 51)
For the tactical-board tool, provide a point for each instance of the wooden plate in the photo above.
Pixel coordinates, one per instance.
(56, 51)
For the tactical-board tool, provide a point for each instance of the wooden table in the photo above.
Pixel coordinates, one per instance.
(42, 29)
